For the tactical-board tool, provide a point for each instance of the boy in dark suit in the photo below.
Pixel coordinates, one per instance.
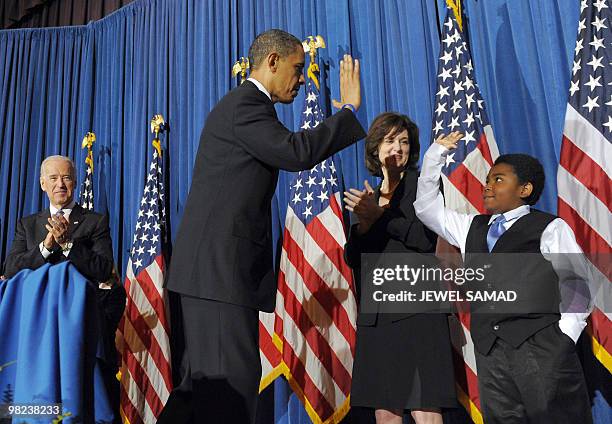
(528, 369)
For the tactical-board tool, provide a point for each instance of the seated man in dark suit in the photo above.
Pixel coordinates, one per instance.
(68, 232)
(65, 231)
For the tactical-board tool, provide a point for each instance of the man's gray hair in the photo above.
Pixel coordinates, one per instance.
(43, 165)
(273, 40)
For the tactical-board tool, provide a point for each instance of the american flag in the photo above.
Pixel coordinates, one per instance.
(583, 176)
(146, 377)
(460, 107)
(315, 307)
(86, 195)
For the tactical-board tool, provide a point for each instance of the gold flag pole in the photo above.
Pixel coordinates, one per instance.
(158, 125)
(455, 5)
(241, 67)
(311, 44)
(88, 141)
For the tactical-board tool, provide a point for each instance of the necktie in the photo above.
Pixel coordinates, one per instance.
(495, 231)
(58, 214)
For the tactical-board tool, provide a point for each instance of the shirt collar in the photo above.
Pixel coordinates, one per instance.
(260, 86)
(512, 214)
(66, 209)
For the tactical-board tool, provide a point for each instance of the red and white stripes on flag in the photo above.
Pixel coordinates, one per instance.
(316, 313)
(310, 338)
(584, 175)
(270, 348)
(143, 339)
(460, 107)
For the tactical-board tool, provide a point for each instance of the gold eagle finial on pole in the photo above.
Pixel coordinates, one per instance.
(455, 5)
(241, 67)
(311, 44)
(88, 141)
(158, 125)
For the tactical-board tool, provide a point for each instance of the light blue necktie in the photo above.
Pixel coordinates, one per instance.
(495, 231)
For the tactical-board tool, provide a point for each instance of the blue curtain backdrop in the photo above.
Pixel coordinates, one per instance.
(173, 57)
(523, 53)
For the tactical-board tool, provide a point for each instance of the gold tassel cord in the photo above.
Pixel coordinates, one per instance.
(455, 5)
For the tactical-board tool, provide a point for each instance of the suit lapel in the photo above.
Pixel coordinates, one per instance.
(76, 218)
(41, 233)
(41, 220)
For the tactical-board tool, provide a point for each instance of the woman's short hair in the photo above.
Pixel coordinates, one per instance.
(390, 123)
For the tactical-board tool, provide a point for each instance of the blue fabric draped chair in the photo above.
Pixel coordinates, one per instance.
(50, 344)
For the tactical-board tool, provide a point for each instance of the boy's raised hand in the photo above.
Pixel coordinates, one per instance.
(450, 140)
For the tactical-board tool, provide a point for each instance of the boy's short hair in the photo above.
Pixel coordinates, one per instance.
(528, 170)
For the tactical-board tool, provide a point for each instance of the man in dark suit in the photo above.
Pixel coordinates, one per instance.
(63, 232)
(68, 232)
(222, 263)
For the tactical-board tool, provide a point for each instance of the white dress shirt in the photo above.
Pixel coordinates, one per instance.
(453, 226)
(67, 210)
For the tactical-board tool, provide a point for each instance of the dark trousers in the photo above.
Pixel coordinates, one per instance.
(112, 385)
(540, 382)
(221, 367)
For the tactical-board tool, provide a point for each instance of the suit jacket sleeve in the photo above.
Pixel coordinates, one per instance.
(259, 132)
(93, 256)
(20, 257)
(354, 244)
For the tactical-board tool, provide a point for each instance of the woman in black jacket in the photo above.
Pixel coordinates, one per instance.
(402, 361)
